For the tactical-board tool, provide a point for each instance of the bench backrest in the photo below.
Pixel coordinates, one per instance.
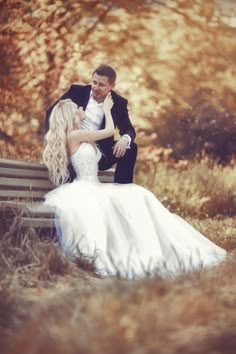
(29, 180)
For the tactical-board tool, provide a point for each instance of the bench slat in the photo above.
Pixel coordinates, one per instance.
(18, 172)
(24, 182)
(38, 223)
(35, 209)
(106, 179)
(109, 172)
(23, 194)
(5, 163)
(22, 164)
(37, 183)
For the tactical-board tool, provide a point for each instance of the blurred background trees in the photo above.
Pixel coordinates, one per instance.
(175, 62)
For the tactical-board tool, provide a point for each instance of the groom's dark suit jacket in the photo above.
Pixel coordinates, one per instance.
(80, 95)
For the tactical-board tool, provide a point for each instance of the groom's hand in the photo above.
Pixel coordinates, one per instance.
(119, 149)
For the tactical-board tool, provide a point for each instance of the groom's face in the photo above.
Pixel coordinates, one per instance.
(101, 86)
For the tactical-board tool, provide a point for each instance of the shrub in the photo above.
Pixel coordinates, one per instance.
(208, 126)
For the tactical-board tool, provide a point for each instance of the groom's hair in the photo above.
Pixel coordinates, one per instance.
(106, 70)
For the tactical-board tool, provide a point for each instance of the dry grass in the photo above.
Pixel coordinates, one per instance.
(198, 188)
(51, 305)
(194, 314)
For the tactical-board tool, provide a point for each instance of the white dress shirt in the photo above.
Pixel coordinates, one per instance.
(94, 114)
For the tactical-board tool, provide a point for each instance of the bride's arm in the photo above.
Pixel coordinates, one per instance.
(91, 136)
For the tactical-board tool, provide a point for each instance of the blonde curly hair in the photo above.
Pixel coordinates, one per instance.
(63, 120)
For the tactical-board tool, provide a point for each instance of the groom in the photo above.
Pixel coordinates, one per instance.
(91, 97)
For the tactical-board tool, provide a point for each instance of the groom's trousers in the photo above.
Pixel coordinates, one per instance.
(124, 165)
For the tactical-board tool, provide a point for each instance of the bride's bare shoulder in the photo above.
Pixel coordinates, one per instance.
(73, 141)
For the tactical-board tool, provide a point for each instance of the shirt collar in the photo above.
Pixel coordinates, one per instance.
(93, 100)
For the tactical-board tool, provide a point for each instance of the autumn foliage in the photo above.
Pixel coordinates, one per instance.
(175, 62)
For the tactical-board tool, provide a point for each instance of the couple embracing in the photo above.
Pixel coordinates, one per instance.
(123, 226)
(91, 98)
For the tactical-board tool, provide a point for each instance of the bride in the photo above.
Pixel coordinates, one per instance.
(124, 227)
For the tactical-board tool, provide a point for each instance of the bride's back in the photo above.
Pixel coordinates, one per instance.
(85, 162)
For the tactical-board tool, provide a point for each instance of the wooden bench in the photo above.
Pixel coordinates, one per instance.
(22, 188)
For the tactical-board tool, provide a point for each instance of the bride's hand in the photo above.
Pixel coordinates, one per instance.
(80, 116)
(81, 113)
(108, 102)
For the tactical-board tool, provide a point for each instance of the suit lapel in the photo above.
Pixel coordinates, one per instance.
(85, 96)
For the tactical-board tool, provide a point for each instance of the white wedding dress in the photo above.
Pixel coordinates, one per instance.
(124, 227)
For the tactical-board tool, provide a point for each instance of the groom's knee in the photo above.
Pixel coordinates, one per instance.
(132, 152)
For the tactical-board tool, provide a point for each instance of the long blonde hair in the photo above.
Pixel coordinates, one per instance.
(63, 120)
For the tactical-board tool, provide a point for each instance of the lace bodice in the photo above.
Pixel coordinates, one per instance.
(85, 162)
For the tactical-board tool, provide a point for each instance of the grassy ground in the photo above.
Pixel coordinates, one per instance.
(49, 304)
